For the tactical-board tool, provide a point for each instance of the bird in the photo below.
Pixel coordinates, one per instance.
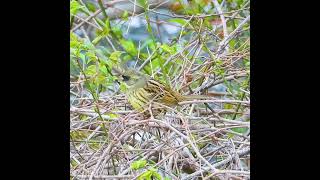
(143, 91)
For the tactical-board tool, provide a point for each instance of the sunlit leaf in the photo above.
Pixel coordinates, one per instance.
(138, 164)
(74, 7)
(115, 56)
(100, 79)
(91, 70)
(125, 16)
(150, 175)
(129, 46)
(167, 48)
(180, 21)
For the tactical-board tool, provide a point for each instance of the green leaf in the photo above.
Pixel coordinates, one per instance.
(97, 39)
(129, 46)
(112, 115)
(100, 79)
(230, 135)
(152, 46)
(240, 130)
(114, 59)
(91, 57)
(107, 28)
(123, 87)
(103, 69)
(125, 16)
(143, 3)
(247, 63)
(91, 70)
(156, 175)
(115, 56)
(91, 7)
(146, 43)
(150, 174)
(82, 57)
(73, 163)
(167, 48)
(105, 32)
(232, 43)
(117, 31)
(127, 57)
(138, 164)
(74, 7)
(180, 21)
(149, 28)
(75, 41)
(227, 106)
(145, 176)
(201, 3)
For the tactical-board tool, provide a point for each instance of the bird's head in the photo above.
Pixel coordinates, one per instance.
(131, 78)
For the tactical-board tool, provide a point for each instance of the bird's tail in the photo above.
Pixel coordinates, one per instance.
(208, 96)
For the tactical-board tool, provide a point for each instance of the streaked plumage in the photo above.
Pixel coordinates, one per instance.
(143, 90)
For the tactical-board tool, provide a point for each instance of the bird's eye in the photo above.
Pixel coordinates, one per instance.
(125, 78)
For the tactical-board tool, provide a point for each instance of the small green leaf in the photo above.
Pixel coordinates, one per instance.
(125, 16)
(74, 7)
(82, 57)
(91, 57)
(103, 69)
(240, 130)
(232, 43)
(117, 31)
(73, 163)
(126, 57)
(167, 48)
(149, 28)
(228, 106)
(105, 32)
(143, 3)
(146, 43)
(91, 7)
(112, 115)
(129, 46)
(97, 39)
(91, 70)
(123, 87)
(138, 164)
(247, 64)
(152, 46)
(180, 21)
(150, 174)
(145, 176)
(75, 41)
(107, 28)
(230, 135)
(115, 56)
(156, 175)
(100, 79)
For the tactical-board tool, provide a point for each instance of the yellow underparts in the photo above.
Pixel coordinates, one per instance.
(138, 99)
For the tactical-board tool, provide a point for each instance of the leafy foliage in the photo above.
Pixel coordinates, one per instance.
(138, 164)
(150, 174)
